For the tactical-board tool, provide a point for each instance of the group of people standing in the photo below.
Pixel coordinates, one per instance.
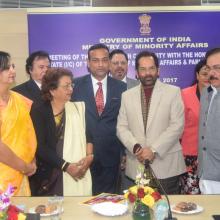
(73, 136)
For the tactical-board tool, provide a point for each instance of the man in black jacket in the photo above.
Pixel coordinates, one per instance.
(36, 66)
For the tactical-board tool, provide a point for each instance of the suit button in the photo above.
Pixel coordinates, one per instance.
(202, 137)
(204, 148)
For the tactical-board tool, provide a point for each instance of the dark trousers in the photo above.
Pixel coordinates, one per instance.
(124, 182)
(171, 185)
(104, 179)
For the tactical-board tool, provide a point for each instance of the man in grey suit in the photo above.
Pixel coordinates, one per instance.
(209, 138)
(150, 124)
(119, 67)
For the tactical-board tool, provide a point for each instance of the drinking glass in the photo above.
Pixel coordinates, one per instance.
(58, 202)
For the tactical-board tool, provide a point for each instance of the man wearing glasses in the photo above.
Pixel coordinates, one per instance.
(119, 67)
(209, 138)
(150, 123)
(118, 70)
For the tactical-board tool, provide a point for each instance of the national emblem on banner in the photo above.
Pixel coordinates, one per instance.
(145, 24)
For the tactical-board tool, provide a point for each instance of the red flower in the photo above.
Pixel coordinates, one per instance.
(13, 208)
(13, 212)
(12, 216)
(156, 195)
(131, 197)
(140, 193)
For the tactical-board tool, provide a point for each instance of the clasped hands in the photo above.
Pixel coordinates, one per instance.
(145, 153)
(78, 170)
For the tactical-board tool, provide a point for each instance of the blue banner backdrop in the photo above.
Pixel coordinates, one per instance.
(180, 39)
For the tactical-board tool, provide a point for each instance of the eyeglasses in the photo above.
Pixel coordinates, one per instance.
(151, 69)
(67, 86)
(117, 63)
(215, 68)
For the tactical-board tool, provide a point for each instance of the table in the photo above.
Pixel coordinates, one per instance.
(76, 211)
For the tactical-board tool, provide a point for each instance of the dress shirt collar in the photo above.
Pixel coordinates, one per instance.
(213, 89)
(38, 84)
(96, 86)
(95, 81)
(124, 79)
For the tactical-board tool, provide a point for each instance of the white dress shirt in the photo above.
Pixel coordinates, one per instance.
(38, 84)
(96, 86)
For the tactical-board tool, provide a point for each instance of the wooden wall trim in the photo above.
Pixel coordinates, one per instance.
(107, 3)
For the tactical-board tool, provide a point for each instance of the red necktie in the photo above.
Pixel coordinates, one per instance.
(99, 99)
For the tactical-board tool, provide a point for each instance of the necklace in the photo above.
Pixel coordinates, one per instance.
(58, 113)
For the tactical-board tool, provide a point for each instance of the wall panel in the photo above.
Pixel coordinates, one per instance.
(14, 38)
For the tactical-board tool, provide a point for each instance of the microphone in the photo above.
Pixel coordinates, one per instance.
(147, 166)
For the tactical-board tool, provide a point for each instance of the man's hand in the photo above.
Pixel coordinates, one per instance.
(145, 153)
(74, 171)
(85, 163)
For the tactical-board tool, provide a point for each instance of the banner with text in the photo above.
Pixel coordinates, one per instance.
(180, 39)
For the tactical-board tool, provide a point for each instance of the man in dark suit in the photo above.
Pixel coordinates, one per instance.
(36, 66)
(119, 68)
(102, 97)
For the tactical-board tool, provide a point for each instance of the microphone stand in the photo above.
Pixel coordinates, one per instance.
(147, 166)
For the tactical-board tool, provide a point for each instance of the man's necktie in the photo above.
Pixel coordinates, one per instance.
(99, 99)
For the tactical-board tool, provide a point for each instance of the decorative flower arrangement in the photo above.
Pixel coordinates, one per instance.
(141, 192)
(144, 194)
(144, 198)
(8, 211)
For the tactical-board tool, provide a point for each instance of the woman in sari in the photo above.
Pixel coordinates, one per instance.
(64, 154)
(17, 136)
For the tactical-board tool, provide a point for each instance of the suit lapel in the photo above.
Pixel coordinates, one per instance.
(52, 124)
(138, 110)
(208, 97)
(109, 94)
(90, 99)
(34, 89)
(155, 100)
